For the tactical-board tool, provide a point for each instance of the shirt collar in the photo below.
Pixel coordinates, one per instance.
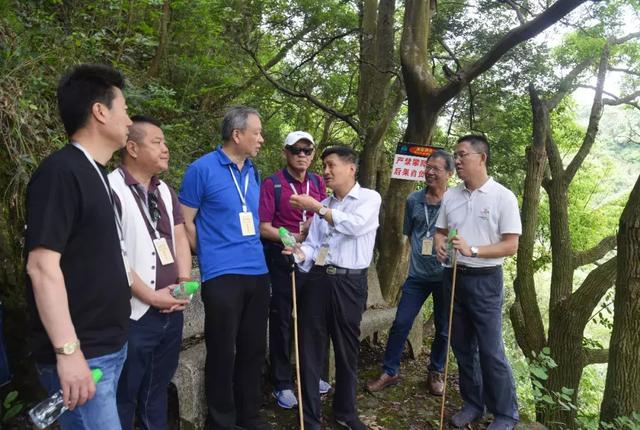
(354, 193)
(485, 188)
(226, 161)
(129, 180)
(290, 178)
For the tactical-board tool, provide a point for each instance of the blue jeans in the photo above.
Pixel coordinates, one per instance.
(476, 340)
(414, 293)
(99, 413)
(152, 359)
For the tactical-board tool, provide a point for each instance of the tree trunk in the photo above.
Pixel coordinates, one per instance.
(154, 68)
(622, 390)
(525, 312)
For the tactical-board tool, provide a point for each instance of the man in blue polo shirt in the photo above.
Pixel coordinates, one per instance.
(219, 198)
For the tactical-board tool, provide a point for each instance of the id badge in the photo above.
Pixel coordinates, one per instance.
(427, 246)
(127, 269)
(162, 248)
(246, 224)
(301, 227)
(321, 258)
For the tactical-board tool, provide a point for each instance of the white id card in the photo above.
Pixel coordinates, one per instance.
(127, 269)
(246, 223)
(427, 246)
(321, 258)
(162, 248)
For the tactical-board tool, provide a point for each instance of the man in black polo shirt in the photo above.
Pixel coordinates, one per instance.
(77, 284)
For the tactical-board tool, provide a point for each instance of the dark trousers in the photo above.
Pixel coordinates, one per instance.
(331, 306)
(476, 339)
(235, 331)
(280, 321)
(152, 358)
(414, 293)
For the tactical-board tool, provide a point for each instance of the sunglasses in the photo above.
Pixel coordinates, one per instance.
(296, 151)
(152, 203)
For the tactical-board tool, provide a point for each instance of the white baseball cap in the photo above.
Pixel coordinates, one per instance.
(295, 136)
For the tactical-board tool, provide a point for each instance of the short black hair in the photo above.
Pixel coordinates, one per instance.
(83, 86)
(135, 131)
(478, 142)
(344, 152)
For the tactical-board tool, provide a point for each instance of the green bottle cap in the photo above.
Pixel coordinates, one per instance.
(191, 287)
(96, 375)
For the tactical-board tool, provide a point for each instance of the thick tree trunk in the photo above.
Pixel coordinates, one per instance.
(622, 391)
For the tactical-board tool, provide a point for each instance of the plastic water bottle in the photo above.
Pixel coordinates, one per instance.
(286, 237)
(49, 410)
(185, 289)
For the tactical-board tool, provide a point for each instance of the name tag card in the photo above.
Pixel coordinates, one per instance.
(246, 224)
(427, 246)
(162, 248)
(321, 258)
(127, 269)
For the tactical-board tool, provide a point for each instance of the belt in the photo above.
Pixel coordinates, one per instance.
(335, 270)
(475, 270)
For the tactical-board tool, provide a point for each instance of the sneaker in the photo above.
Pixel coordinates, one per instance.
(324, 387)
(285, 399)
(502, 424)
(382, 382)
(435, 383)
(466, 415)
(352, 424)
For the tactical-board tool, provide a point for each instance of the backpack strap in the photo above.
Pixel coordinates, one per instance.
(277, 191)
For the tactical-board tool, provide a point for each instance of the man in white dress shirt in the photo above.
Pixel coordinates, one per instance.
(487, 218)
(336, 253)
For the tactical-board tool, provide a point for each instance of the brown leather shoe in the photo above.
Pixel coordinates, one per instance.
(435, 383)
(382, 382)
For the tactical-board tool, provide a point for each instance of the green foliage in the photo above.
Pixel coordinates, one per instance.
(546, 399)
(11, 407)
(623, 423)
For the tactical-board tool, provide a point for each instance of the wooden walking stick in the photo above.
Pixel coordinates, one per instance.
(295, 345)
(452, 234)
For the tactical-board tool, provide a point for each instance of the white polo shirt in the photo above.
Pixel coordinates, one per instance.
(481, 216)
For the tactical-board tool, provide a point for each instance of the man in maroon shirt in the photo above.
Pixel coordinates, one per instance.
(275, 212)
(158, 251)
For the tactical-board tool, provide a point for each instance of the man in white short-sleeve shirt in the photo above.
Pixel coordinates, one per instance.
(488, 225)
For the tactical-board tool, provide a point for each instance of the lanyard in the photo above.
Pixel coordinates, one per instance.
(426, 215)
(144, 207)
(243, 197)
(304, 211)
(108, 190)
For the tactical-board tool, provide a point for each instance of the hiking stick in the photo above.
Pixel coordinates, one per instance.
(295, 346)
(446, 360)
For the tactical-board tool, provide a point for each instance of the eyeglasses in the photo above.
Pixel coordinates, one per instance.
(296, 151)
(152, 204)
(462, 155)
(434, 168)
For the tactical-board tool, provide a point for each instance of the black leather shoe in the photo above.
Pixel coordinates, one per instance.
(352, 424)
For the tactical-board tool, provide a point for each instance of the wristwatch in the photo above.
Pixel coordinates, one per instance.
(323, 211)
(68, 348)
(474, 251)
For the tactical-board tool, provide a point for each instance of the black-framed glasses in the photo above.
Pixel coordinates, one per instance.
(152, 204)
(296, 151)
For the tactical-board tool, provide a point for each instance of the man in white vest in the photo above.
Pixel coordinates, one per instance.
(160, 258)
